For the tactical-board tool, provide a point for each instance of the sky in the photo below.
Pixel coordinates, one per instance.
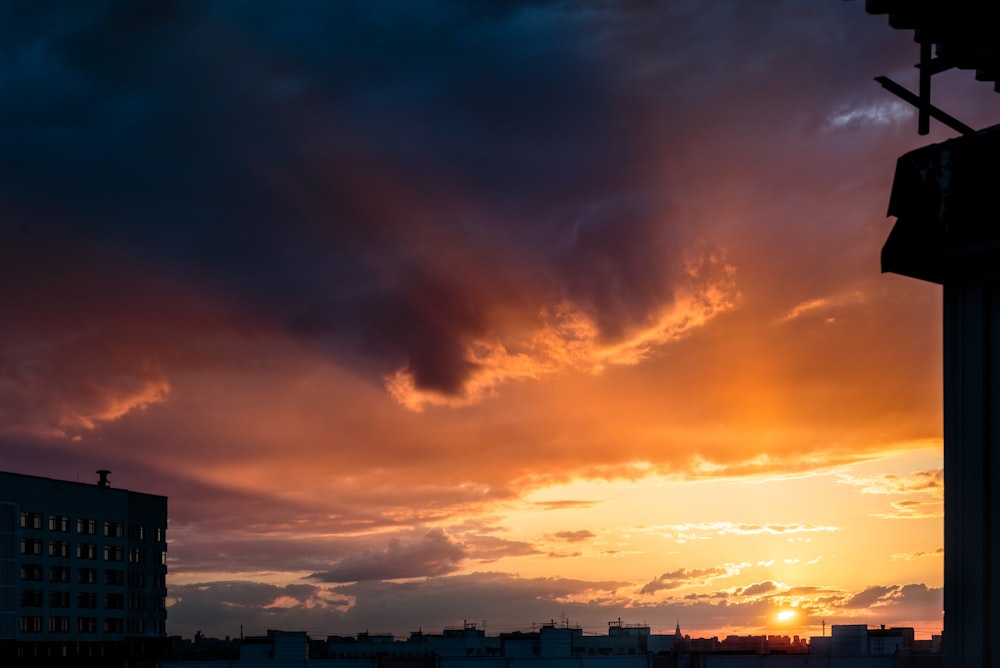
(440, 311)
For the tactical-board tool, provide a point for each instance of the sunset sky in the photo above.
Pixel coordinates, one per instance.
(443, 310)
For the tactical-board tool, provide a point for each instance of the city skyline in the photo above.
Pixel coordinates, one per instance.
(436, 312)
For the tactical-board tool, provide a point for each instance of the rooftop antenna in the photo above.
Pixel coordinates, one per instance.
(949, 35)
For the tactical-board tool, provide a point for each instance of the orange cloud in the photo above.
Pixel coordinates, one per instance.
(685, 578)
(570, 338)
(930, 482)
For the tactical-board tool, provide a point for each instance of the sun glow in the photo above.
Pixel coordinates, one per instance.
(786, 615)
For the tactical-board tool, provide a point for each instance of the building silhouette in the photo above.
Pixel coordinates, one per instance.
(943, 198)
(559, 645)
(82, 573)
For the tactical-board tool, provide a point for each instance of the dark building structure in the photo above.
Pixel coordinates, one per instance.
(947, 231)
(82, 573)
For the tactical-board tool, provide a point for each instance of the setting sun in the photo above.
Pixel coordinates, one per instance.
(786, 615)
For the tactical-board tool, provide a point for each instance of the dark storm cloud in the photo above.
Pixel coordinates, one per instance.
(377, 178)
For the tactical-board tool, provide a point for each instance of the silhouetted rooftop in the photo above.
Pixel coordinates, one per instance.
(963, 33)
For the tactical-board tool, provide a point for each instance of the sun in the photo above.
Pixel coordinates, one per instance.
(786, 615)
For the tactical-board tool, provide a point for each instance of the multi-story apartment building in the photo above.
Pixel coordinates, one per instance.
(82, 571)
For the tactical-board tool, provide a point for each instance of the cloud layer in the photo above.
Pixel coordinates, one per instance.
(438, 603)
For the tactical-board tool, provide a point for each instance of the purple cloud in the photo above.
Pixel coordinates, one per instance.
(436, 554)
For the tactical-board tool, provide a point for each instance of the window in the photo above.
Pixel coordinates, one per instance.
(163, 557)
(31, 624)
(31, 598)
(59, 574)
(86, 551)
(58, 548)
(113, 529)
(136, 625)
(86, 624)
(112, 624)
(114, 553)
(136, 601)
(114, 601)
(86, 599)
(58, 599)
(136, 555)
(160, 534)
(31, 521)
(31, 572)
(86, 527)
(31, 546)
(86, 576)
(136, 579)
(58, 624)
(113, 577)
(136, 532)
(59, 523)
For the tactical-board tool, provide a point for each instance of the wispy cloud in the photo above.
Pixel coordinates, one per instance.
(923, 484)
(881, 113)
(919, 554)
(565, 503)
(485, 548)
(821, 305)
(574, 536)
(912, 510)
(929, 481)
(707, 530)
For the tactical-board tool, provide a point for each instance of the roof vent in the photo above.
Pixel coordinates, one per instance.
(103, 480)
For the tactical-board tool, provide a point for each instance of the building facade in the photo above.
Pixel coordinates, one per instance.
(82, 570)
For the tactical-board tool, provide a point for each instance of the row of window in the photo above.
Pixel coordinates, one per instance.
(63, 624)
(32, 598)
(62, 549)
(88, 527)
(60, 624)
(36, 573)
